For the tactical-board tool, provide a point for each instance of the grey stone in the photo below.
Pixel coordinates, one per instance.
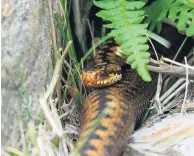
(26, 64)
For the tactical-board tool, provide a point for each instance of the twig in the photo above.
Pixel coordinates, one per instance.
(173, 103)
(186, 89)
(175, 85)
(180, 48)
(177, 63)
(153, 48)
(173, 94)
(157, 97)
(164, 68)
(158, 63)
(172, 70)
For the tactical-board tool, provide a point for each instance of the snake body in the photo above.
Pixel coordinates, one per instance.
(106, 69)
(110, 114)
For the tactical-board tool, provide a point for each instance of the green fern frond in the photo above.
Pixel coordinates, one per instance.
(175, 10)
(156, 12)
(125, 19)
(189, 3)
(185, 17)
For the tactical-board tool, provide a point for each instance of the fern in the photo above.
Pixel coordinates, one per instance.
(179, 11)
(125, 19)
(185, 16)
(156, 12)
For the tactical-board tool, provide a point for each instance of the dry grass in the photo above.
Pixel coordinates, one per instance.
(169, 133)
(50, 138)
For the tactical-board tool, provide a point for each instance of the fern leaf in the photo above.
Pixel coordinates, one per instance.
(107, 4)
(156, 12)
(189, 3)
(190, 30)
(185, 17)
(177, 10)
(125, 19)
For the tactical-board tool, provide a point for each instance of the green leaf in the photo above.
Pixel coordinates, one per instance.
(190, 30)
(181, 25)
(185, 16)
(177, 10)
(189, 3)
(108, 14)
(134, 5)
(108, 25)
(107, 4)
(156, 12)
(125, 19)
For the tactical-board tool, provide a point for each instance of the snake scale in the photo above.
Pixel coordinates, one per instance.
(111, 113)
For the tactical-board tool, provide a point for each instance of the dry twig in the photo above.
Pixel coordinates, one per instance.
(172, 70)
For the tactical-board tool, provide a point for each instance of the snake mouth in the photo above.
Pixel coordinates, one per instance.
(101, 75)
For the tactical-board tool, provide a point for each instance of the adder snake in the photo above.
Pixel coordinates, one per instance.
(112, 111)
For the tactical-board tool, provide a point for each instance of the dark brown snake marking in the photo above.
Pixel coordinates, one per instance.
(123, 104)
(106, 69)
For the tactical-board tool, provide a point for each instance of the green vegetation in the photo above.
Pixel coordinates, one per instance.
(129, 28)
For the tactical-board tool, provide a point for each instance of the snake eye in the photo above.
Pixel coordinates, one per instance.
(104, 73)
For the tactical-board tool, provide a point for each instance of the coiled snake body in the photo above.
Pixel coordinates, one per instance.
(110, 114)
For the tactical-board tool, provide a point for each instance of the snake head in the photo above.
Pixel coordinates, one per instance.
(101, 75)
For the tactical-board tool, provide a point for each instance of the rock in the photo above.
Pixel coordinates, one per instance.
(26, 64)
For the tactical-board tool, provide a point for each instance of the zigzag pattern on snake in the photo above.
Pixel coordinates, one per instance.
(110, 114)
